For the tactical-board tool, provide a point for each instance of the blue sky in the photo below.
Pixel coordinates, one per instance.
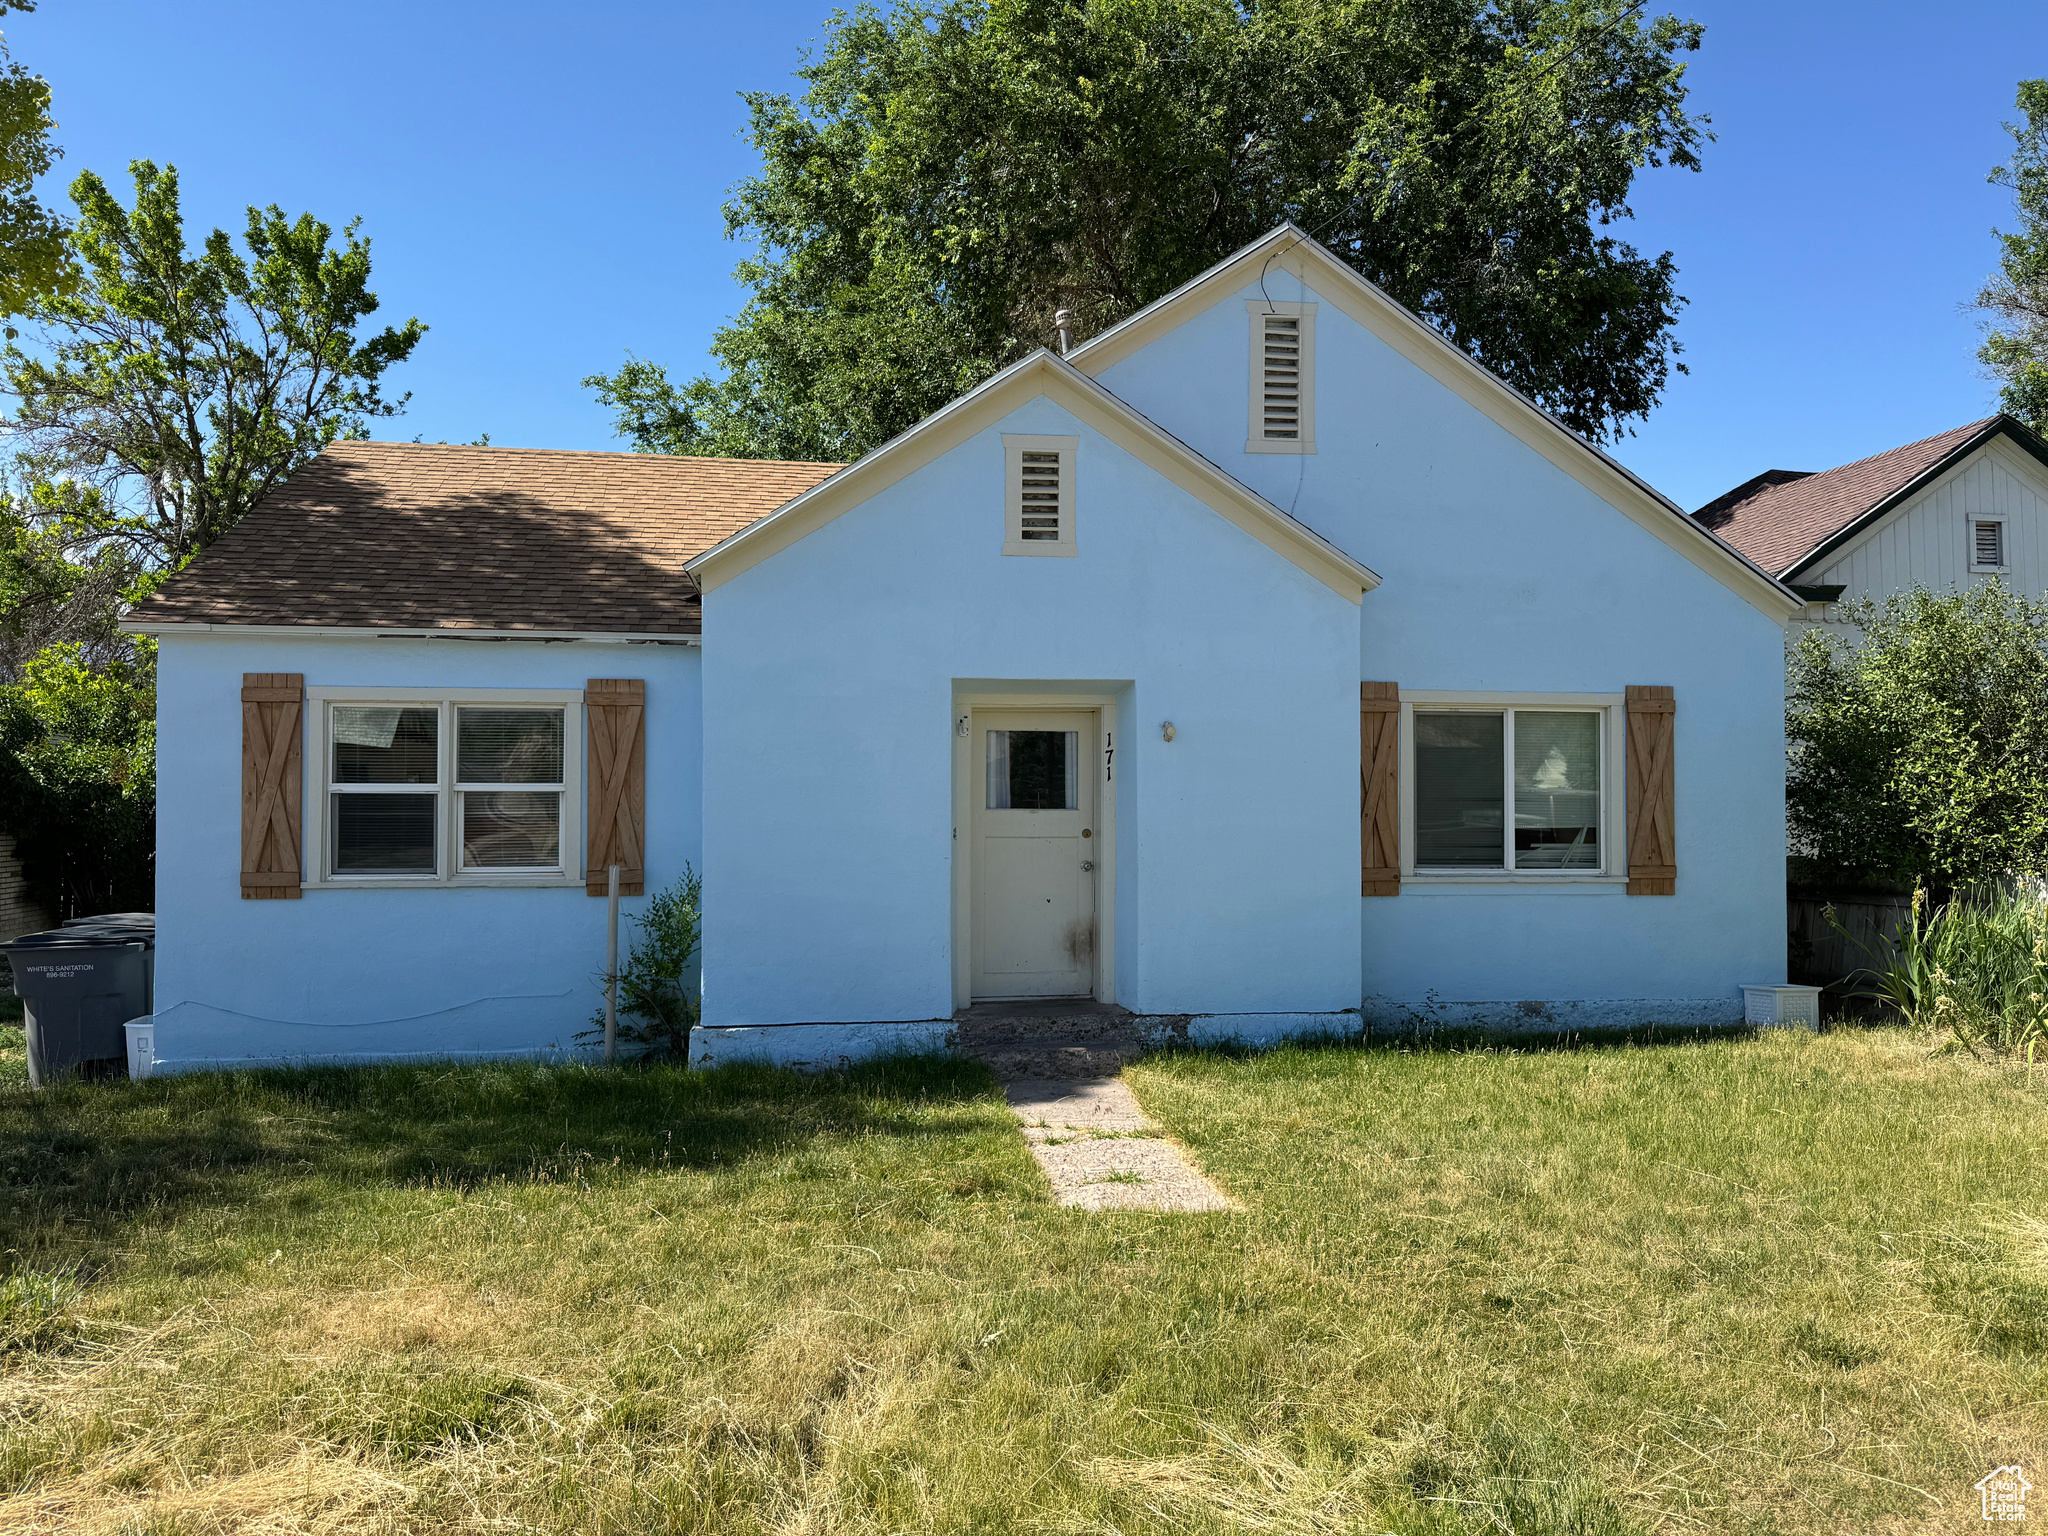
(542, 186)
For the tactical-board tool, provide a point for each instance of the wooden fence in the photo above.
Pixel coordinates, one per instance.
(1821, 953)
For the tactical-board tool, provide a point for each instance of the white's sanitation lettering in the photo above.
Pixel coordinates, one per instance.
(62, 972)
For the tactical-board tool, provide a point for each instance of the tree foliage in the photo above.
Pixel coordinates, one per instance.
(2016, 351)
(78, 779)
(956, 171)
(60, 583)
(34, 259)
(176, 389)
(1920, 751)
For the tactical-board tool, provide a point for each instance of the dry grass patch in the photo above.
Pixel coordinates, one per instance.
(309, 1495)
(410, 1317)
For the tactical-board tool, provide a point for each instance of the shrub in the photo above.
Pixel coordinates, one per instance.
(658, 997)
(1920, 752)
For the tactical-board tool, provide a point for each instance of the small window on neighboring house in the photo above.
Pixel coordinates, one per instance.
(1039, 499)
(1987, 546)
(1283, 381)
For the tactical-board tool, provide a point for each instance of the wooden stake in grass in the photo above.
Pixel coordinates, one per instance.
(611, 965)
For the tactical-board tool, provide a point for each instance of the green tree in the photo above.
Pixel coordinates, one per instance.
(1920, 751)
(78, 779)
(174, 390)
(955, 171)
(2016, 350)
(34, 259)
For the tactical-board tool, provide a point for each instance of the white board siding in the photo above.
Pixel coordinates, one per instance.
(1926, 542)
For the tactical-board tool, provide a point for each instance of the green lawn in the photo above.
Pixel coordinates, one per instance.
(1785, 1284)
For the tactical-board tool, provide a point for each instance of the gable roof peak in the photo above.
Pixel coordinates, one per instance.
(986, 404)
(1422, 344)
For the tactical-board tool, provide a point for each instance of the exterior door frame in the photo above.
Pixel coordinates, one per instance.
(965, 782)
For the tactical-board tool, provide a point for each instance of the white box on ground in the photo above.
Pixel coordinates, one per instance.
(141, 1045)
(1781, 1007)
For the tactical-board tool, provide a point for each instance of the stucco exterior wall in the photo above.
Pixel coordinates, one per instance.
(828, 714)
(1502, 572)
(372, 973)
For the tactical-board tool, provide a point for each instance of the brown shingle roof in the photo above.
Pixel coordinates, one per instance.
(411, 536)
(1781, 516)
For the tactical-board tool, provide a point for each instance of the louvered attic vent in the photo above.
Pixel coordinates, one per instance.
(1990, 545)
(1039, 478)
(1283, 394)
(1280, 398)
(1038, 494)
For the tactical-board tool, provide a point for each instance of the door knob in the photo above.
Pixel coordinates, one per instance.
(1087, 863)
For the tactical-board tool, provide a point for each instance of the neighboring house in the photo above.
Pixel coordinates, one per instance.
(18, 915)
(1968, 504)
(1263, 664)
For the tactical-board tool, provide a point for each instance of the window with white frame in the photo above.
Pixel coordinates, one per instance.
(422, 788)
(1521, 789)
(1038, 494)
(1283, 381)
(1987, 544)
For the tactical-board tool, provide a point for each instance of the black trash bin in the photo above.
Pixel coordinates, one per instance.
(78, 985)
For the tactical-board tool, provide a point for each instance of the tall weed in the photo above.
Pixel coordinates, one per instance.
(1976, 967)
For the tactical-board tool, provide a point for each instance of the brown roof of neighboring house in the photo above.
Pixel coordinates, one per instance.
(413, 536)
(1782, 516)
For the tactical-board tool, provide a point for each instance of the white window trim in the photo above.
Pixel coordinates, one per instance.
(1069, 450)
(1613, 794)
(1255, 439)
(2004, 545)
(319, 758)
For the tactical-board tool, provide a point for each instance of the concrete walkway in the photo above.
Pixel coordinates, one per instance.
(1101, 1153)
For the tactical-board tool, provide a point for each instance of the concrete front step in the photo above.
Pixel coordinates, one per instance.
(1049, 1038)
(1057, 1020)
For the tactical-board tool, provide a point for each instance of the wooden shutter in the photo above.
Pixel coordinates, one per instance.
(1652, 844)
(615, 716)
(273, 787)
(1379, 779)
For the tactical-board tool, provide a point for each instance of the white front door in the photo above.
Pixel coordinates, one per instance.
(1034, 854)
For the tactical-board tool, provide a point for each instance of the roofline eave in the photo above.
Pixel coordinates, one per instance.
(146, 626)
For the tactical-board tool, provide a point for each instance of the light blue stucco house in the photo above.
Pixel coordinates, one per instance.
(1265, 665)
